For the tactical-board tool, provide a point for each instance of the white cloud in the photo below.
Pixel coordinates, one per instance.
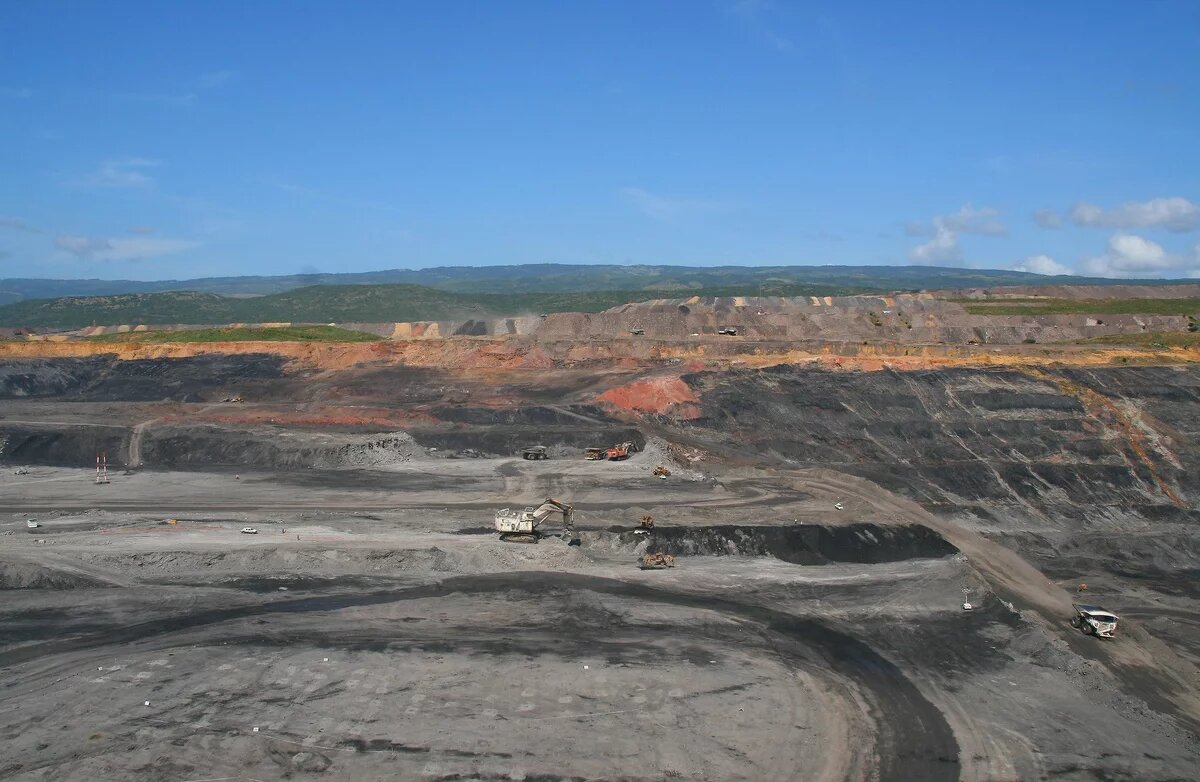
(83, 246)
(335, 198)
(668, 208)
(188, 94)
(1129, 255)
(123, 173)
(1041, 264)
(1048, 218)
(1140, 252)
(757, 15)
(121, 248)
(212, 79)
(969, 220)
(184, 100)
(943, 247)
(1174, 214)
(17, 224)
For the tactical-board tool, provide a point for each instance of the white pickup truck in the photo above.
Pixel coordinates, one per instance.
(1094, 620)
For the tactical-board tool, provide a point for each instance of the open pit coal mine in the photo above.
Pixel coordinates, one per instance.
(283, 570)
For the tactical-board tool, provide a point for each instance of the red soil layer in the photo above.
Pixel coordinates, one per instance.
(663, 395)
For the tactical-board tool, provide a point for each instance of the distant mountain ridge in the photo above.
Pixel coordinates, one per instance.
(555, 278)
(461, 292)
(337, 303)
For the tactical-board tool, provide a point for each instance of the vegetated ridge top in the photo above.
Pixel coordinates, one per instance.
(559, 278)
(341, 304)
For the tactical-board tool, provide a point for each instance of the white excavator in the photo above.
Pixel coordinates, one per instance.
(521, 526)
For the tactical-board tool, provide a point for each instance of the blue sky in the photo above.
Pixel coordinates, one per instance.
(169, 140)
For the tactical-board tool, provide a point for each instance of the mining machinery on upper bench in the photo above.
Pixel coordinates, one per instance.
(521, 526)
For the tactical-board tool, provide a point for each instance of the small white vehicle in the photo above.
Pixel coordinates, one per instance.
(1094, 620)
(32, 524)
(249, 531)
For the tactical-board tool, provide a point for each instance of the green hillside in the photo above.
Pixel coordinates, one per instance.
(559, 278)
(243, 334)
(348, 304)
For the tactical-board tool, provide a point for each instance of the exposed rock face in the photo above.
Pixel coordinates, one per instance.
(1090, 473)
(1065, 443)
(1044, 442)
(909, 318)
(103, 378)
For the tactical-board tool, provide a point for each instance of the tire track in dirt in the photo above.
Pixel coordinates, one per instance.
(516, 485)
(134, 456)
(1147, 668)
(913, 739)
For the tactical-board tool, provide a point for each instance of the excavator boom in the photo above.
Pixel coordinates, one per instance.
(522, 526)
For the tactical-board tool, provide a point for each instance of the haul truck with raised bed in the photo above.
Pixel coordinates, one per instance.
(521, 526)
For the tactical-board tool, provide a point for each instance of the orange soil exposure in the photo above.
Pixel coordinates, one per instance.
(665, 395)
(453, 354)
(523, 354)
(1101, 407)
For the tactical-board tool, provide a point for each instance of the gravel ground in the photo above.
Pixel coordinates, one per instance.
(376, 634)
(827, 528)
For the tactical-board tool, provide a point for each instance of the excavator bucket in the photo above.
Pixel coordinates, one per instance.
(657, 561)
